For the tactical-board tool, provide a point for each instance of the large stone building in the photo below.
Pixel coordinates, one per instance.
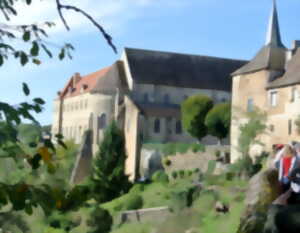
(270, 82)
(142, 91)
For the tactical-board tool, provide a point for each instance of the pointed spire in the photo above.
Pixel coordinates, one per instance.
(273, 36)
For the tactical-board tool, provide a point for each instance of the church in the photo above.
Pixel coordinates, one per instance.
(271, 83)
(142, 91)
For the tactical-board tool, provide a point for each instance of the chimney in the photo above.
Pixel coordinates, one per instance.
(76, 78)
(295, 45)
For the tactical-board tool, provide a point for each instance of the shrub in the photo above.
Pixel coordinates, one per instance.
(194, 110)
(167, 162)
(137, 188)
(160, 176)
(190, 173)
(100, 221)
(196, 170)
(133, 202)
(174, 174)
(217, 153)
(181, 174)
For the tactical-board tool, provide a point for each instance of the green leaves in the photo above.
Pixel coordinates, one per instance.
(35, 49)
(26, 36)
(23, 58)
(39, 101)
(26, 89)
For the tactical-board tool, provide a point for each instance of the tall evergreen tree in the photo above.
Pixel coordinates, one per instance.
(108, 177)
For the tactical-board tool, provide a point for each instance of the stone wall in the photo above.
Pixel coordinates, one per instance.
(157, 215)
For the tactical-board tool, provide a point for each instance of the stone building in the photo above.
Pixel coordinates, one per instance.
(270, 82)
(142, 91)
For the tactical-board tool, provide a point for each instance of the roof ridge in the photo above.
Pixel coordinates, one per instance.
(187, 54)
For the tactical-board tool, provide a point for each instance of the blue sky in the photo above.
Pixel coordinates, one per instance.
(222, 28)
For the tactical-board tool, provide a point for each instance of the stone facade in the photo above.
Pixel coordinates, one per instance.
(270, 82)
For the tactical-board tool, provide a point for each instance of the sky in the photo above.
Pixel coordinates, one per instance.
(221, 28)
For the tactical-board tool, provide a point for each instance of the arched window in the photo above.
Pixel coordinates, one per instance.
(166, 99)
(146, 98)
(102, 121)
(156, 126)
(178, 127)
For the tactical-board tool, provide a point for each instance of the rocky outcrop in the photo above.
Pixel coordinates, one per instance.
(263, 190)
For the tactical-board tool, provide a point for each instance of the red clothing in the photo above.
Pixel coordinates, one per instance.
(287, 162)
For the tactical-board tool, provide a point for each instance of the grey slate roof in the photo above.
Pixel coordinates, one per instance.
(272, 55)
(273, 35)
(268, 57)
(181, 70)
(291, 76)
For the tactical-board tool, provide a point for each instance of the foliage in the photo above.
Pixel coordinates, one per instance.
(134, 202)
(194, 110)
(160, 176)
(174, 174)
(100, 221)
(109, 166)
(249, 131)
(217, 120)
(167, 162)
(169, 149)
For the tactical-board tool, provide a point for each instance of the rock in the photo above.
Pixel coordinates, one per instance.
(262, 191)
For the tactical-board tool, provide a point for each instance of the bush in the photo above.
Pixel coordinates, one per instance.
(133, 202)
(100, 221)
(194, 110)
(137, 188)
(160, 176)
(181, 174)
(174, 175)
(167, 162)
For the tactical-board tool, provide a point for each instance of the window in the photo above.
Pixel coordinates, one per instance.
(146, 98)
(250, 105)
(178, 127)
(273, 98)
(293, 94)
(102, 121)
(272, 128)
(86, 104)
(156, 126)
(290, 127)
(166, 99)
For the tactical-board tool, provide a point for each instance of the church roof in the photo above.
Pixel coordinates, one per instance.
(272, 55)
(291, 76)
(181, 70)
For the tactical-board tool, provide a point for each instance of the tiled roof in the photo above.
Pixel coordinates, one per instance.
(88, 81)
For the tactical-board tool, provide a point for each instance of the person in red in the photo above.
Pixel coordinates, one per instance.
(286, 161)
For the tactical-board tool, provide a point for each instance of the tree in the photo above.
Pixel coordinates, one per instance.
(217, 120)
(193, 111)
(108, 176)
(25, 43)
